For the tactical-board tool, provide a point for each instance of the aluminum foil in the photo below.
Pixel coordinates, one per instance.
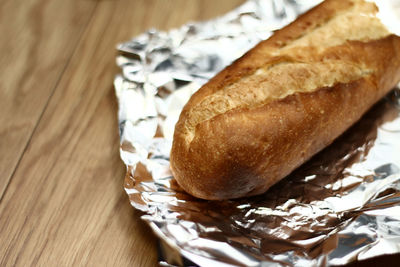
(342, 205)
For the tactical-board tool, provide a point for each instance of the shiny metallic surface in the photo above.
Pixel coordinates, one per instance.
(342, 205)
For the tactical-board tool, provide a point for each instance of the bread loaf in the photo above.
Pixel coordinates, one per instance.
(284, 101)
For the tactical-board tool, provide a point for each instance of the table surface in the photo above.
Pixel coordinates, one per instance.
(62, 201)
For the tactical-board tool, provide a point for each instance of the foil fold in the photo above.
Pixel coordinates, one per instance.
(342, 205)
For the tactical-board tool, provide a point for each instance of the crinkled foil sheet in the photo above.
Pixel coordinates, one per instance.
(342, 205)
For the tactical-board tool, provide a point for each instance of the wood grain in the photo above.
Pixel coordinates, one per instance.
(38, 38)
(65, 204)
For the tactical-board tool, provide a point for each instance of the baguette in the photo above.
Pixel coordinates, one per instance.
(284, 100)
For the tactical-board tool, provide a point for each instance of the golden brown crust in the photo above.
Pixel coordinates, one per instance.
(246, 149)
(256, 57)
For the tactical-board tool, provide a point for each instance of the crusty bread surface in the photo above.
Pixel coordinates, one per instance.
(284, 101)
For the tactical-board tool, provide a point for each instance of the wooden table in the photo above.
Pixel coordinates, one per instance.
(61, 183)
(61, 186)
